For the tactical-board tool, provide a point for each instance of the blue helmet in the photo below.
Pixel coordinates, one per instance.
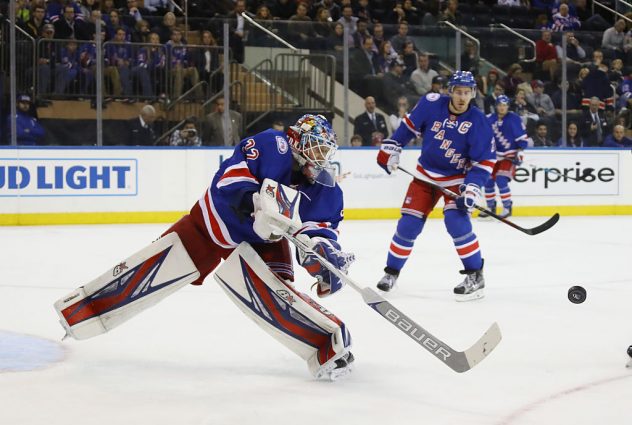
(502, 99)
(463, 79)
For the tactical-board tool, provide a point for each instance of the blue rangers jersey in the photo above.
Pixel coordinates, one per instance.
(510, 134)
(265, 155)
(456, 148)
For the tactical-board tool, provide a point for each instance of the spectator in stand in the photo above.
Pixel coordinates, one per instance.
(617, 139)
(396, 85)
(615, 73)
(520, 106)
(384, 58)
(541, 22)
(412, 13)
(28, 129)
(348, 20)
(575, 54)
(541, 137)
(490, 81)
(157, 66)
(118, 56)
(55, 9)
(362, 66)
(86, 29)
(36, 23)
(281, 9)
(410, 59)
(331, 6)
(114, 24)
(439, 84)
(513, 3)
(133, 13)
(65, 25)
(238, 30)
(573, 139)
(431, 16)
(140, 72)
(186, 136)
(68, 68)
(46, 60)
(469, 58)
(597, 84)
(512, 80)
(450, 13)
(593, 126)
(22, 12)
(564, 21)
(397, 15)
(182, 66)
(490, 100)
(141, 31)
(106, 7)
(213, 126)
(542, 103)
(157, 7)
(165, 28)
(278, 126)
(402, 109)
(597, 58)
(264, 18)
(398, 41)
(336, 39)
(322, 23)
(573, 100)
(208, 61)
(378, 36)
(356, 141)
(363, 11)
(612, 40)
(300, 27)
(370, 122)
(141, 128)
(546, 54)
(87, 6)
(423, 75)
(362, 32)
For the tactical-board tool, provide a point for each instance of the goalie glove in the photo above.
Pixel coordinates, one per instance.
(327, 282)
(470, 196)
(388, 156)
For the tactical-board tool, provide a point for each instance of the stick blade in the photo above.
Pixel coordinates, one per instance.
(481, 349)
(544, 226)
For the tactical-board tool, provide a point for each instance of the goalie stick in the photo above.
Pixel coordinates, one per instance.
(459, 361)
(529, 231)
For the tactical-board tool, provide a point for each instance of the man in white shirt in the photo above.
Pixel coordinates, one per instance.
(423, 75)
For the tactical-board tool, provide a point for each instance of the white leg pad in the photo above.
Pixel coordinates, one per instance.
(128, 288)
(293, 318)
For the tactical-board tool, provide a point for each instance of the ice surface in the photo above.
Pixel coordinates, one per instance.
(196, 359)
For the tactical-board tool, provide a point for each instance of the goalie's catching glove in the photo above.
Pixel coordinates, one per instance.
(327, 282)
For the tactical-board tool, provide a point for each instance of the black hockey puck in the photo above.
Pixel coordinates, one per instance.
(576, 294)
(630, 351)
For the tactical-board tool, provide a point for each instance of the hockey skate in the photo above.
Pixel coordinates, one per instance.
(336, 369)
(472, 286)
(486, 217)
(388, 281)
(506, 212)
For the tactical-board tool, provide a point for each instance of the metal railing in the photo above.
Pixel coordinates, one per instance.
(26, 57)
(457, 53)
(517, 34)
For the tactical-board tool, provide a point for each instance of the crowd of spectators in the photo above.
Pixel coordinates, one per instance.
(388, 62)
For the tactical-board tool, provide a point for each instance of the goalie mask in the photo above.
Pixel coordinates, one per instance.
(313, 144)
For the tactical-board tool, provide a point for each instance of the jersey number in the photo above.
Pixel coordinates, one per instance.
(249, 150)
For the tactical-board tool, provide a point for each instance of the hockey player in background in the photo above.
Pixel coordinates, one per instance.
(510, 137)
(257, 276)
(458, 154)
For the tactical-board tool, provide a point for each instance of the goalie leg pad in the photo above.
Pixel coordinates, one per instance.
(291, 317)
(130, 287)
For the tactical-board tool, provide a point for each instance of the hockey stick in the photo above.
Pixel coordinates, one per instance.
(533, 231)
(554, 171)
(459, 361)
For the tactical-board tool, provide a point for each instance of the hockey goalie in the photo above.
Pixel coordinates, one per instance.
(274, 184)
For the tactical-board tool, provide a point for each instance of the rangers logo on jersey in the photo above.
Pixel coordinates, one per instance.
(281, 144)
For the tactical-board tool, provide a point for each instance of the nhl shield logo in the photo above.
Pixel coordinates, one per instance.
(281, 144)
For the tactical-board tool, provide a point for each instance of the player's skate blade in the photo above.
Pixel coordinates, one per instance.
(388, 282)
(477, 295)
